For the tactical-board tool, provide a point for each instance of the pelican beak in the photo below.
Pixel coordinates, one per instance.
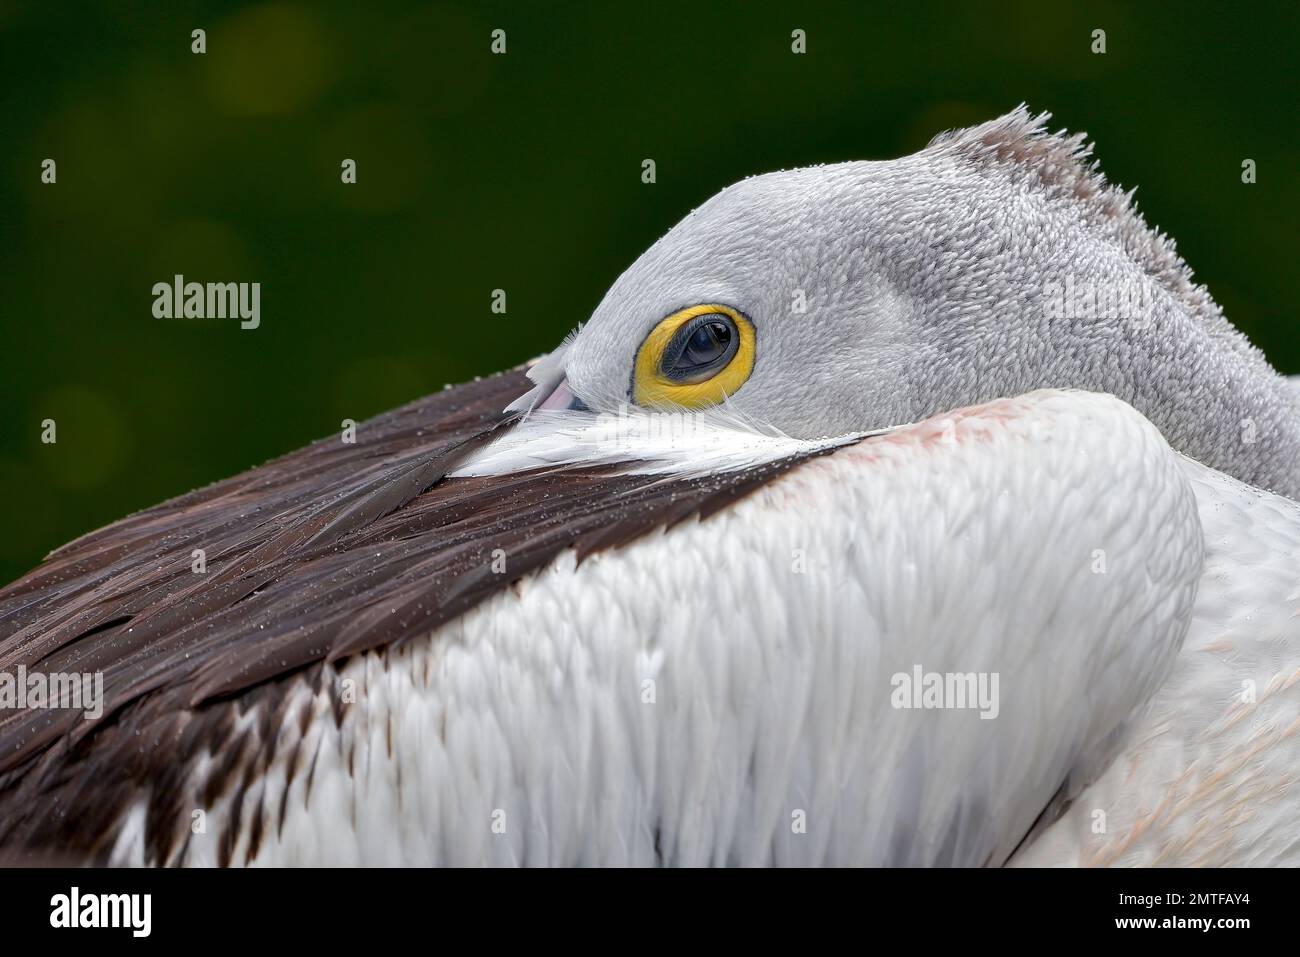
(549, 393)
(562, 397)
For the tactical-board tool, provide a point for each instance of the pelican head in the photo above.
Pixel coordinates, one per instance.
(863, 295)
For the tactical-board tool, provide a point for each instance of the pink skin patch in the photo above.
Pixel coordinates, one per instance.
(560, 398)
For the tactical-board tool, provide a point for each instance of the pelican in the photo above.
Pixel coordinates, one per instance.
(922, 512)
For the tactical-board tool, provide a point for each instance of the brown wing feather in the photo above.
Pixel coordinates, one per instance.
(330, 551)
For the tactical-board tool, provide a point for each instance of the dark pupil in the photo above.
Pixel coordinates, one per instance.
(708, 342)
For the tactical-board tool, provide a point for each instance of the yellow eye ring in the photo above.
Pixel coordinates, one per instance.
(650, 387)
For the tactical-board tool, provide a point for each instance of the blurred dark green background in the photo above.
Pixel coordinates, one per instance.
(519, 172)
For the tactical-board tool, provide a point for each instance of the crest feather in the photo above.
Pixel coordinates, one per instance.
(1062, 166)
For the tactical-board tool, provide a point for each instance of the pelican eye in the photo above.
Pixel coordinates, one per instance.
(700, 348)
(695, 357)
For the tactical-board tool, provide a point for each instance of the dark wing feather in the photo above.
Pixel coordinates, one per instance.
(330, 551)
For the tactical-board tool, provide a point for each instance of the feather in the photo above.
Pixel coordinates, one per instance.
(316, 556)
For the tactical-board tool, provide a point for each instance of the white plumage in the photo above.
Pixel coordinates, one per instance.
(522, 732)
(1209, 775)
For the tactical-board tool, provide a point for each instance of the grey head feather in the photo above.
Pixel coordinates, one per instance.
(995, 261)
